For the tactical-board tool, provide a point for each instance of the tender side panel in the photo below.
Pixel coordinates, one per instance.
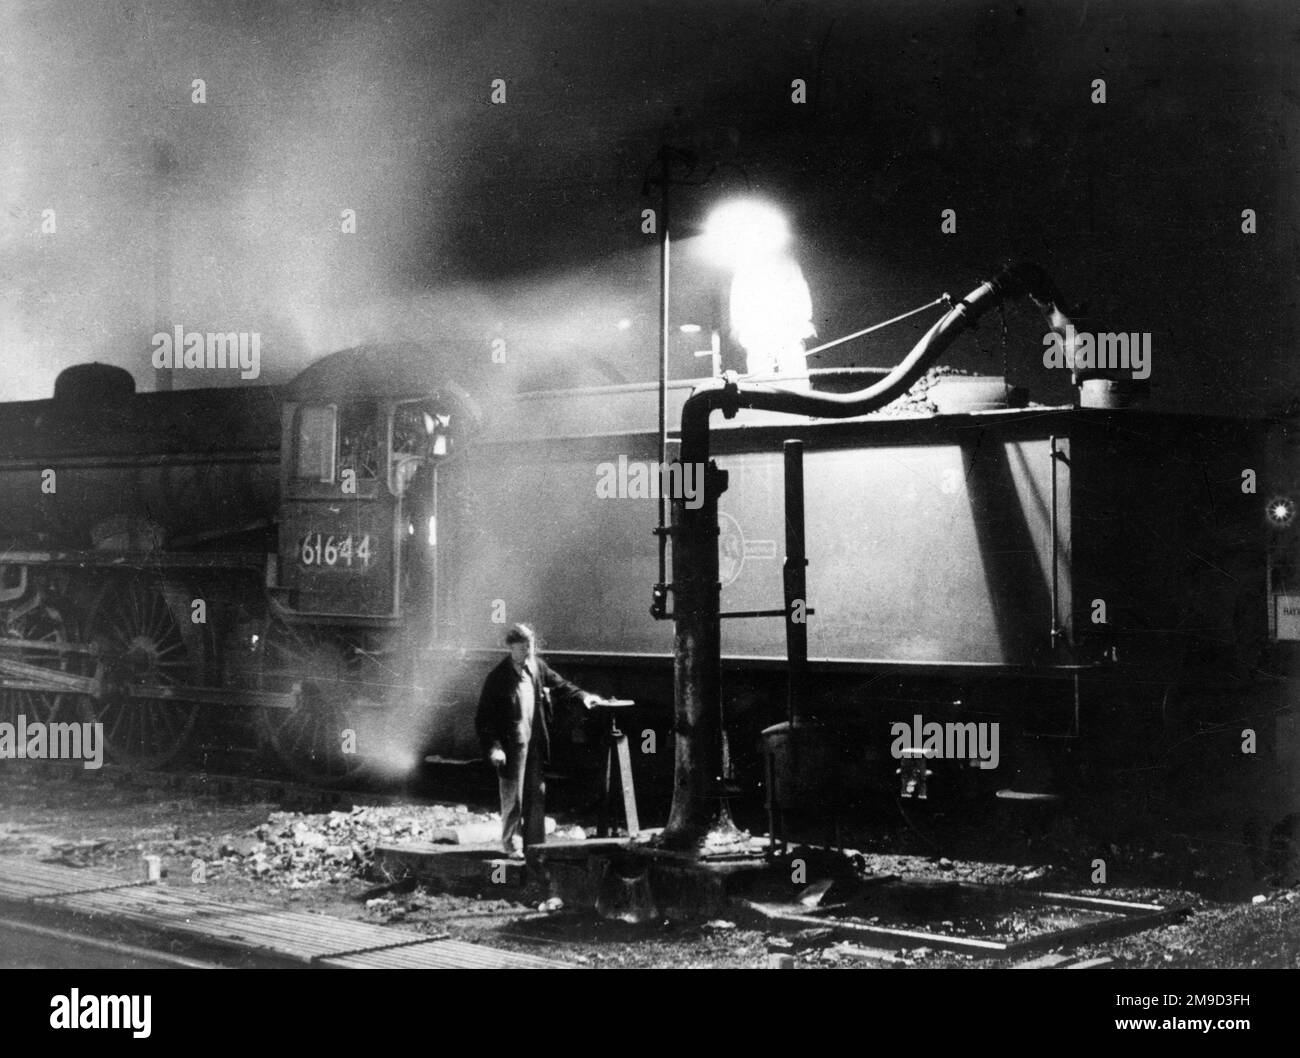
(933, 553)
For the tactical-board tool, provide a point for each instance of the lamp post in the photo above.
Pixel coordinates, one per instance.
(665, 276)
(737, 234)
(666, 158)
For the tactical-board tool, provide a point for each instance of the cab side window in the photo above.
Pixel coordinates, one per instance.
(333, 439)
(358, 441)
(415, 431)
(316, 435)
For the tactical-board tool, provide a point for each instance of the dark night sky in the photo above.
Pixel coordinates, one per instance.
(522, 220)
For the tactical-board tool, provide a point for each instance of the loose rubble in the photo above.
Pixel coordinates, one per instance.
(296, 850)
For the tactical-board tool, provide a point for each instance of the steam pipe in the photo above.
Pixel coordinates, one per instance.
(697, 804)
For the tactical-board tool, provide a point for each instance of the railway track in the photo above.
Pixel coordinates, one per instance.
(979, 921)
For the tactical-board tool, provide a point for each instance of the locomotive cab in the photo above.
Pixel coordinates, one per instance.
(357, 481)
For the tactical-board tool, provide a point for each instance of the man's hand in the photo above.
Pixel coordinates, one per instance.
(591, 700)
(497, 757)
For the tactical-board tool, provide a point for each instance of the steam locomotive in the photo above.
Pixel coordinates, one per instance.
(327, 568)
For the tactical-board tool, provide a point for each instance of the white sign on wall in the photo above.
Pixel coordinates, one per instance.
(1287, 616)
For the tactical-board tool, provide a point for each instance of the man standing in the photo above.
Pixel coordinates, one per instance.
(513, 723)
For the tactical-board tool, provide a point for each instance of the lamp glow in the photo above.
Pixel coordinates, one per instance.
(1281, 511)
(744, 230)
(771, 308)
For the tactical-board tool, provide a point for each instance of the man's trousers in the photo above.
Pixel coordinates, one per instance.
(523, 796)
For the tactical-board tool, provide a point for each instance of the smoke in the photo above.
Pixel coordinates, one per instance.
(236, 213)
(344, 180)
(232, 215)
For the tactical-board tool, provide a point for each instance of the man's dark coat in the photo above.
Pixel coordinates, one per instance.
(498, 720)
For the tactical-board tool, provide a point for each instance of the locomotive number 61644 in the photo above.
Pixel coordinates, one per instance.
(317, 549)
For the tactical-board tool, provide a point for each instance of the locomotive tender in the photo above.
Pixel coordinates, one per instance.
(330, 564)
